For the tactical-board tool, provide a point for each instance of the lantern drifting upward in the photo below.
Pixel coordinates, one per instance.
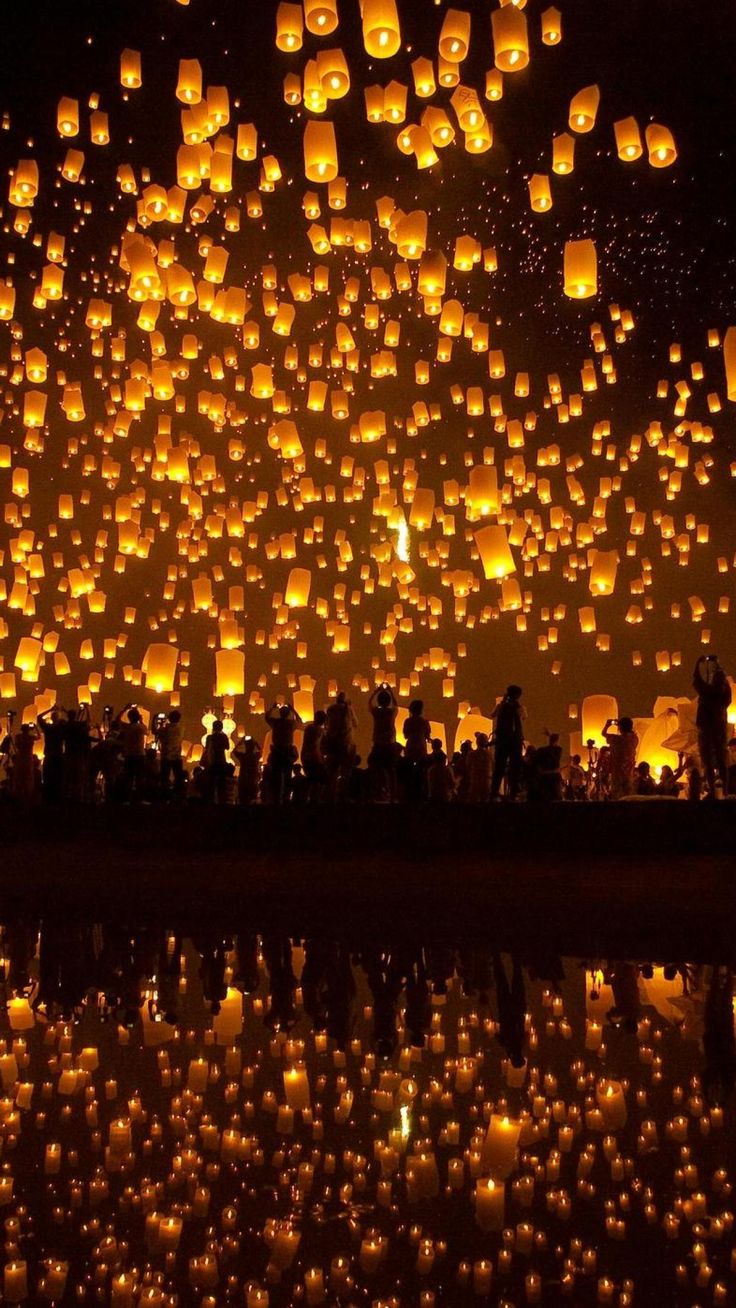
(230, 672)
(729, 360)
(580, 270)
(381, 30)
(159, 667)
(495, 552)
(660, 145)
(510, 39)
(583, 109)
(628, 139)
(320, 152)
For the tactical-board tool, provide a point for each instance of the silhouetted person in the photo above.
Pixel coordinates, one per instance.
(283, 720)
(669, 779)
(169, 736)
(413, 765)
(576, 786)
(548, 767)
(131, 735)
(77, 746)
(24, 777)
(440, 781)
(216, 765)
(383, 757)
(508, 717)
(622, 746)
(247, 754)
(313, 760)
(338, 742)
(51, 726)
(644, 783)
(714, 697)
(480, 766)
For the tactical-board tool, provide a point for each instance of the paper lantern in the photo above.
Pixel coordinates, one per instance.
(551, 26)
(297, 588)
(495, 552)
(563, 154)
(230, 672)
(660, 145)
(603, 568)
(411, 235)
(628, 139)
(481, 496)
(320, 152)
(159, 667)
(289, 27)
(729, 362)
(381, 30)
(580, 270)
(583, 109)
(510, 39)
(320, 16)
(455, 36)
(189, 82)
(540, 195)
(67, 116)
(130, 69)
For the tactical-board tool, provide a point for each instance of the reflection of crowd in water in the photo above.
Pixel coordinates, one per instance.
(128, 975)
(64, 757)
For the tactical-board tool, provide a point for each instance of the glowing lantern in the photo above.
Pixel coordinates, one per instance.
(628, 139)
(455, 36)
(580, 270)
(551, 26)
(130, 69)
(411, 234)
(540, 195)
(563, 154)
(481, 496)
(297, 588)
(603, 570)
(660, 145)
(583, 109)
(381, 30)
(495, 552)
(67, 116)
(230, 672)
(28, 655)
(159, 667)
(289, 27)
(729, 361)
(320, 16)
(510, 39)
(320, 152)
(189, 83)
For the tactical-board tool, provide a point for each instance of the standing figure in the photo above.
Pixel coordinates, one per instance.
(714, 697)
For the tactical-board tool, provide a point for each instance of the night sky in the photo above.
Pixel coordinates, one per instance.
(665, 247)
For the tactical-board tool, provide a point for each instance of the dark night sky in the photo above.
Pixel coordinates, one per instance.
(664, 239)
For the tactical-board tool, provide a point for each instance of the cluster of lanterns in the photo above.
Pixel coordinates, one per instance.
(225, 1156)
(331, 452)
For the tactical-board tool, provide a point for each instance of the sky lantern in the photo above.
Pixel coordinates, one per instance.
(510, 39)
(320, 152)
(603, 568)
(551, 26)
(580, 270)
(289, 27)
(230, 672)
(189, 83)
(583, 109)
(381, 30)
(563, 154)
(596, 710)
(159, 667)
(495, 552)
(628, 139)
(540, 195)
(660, 145)
(454, 40)
(321, 16)
(729, 362)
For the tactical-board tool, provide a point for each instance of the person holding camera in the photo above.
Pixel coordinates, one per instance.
(714, 696)
(622, 745)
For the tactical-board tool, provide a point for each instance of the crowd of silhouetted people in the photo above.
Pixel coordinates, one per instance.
(63, 757)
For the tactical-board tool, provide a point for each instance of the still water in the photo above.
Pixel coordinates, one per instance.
(245, 1119)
